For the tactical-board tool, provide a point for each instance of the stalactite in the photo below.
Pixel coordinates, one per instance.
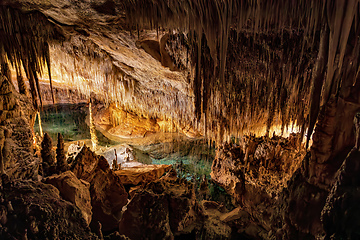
(317, 81)
(40, 124)
(230, 94)
(211, 18)
(21, 85)
(24, 41)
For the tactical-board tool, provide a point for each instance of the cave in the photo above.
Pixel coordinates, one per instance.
(188, 119)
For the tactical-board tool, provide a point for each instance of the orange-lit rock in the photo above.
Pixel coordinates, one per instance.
(118, 122)
(73, 190)
(141, 174)
(108, 195)
(163, 209)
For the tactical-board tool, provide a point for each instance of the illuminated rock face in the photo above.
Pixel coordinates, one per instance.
(108, 195)
(73, 190)
(223, 68)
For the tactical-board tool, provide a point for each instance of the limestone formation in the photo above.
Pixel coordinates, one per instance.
(47, 156)
(163, 209)
(2, 140)
(73, 190)
(216, 68)
(61, 162)
(40, 209)
(141, 175)
(108, 194)
(342, 201)
(357, 131)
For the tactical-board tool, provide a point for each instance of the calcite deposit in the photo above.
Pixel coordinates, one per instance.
(273, 85)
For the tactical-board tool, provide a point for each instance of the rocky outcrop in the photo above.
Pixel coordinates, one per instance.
(262, 162)
(73, 190)
(16, 142)
(338, 215)
(34, 210)
(213, 226)
(142, 174)
(108, 195)
(264, 178)
(119, 123)
(163, 209)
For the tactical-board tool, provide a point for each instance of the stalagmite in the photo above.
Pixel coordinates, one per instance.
(47, 156)
(94, 139)
(61, 163)
(357, 131)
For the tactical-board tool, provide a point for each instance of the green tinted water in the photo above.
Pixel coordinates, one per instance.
(192, 158)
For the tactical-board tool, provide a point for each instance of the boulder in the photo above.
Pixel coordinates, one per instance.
(163, 209)
(73, 190)
(108, 195)
(37, 209)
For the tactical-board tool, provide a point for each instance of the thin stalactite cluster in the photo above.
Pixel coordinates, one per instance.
(337, 22)
(249, 63)
(25, 45)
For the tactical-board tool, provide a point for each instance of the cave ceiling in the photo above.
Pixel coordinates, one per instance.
(223, 67)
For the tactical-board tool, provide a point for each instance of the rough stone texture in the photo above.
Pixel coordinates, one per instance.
(342, 203)
(260, 175)
(34, 210)
(108, 195)
(261, 162)
(62, 94)
(118, 122)
(332, 140)
(47, 156)
(73, 190)
(213, 226)
(17, 145)
(141, 174)
(301, 204)
(162, 210)
(61, 162)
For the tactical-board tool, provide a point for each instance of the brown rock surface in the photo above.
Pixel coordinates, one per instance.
(262, 162)
(37, 208)
(161, 210)
(108, 195)
(73, 190)
(16, 119)
(141, 174)
(124, 124)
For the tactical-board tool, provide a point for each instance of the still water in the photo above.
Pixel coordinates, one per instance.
(192, 157)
